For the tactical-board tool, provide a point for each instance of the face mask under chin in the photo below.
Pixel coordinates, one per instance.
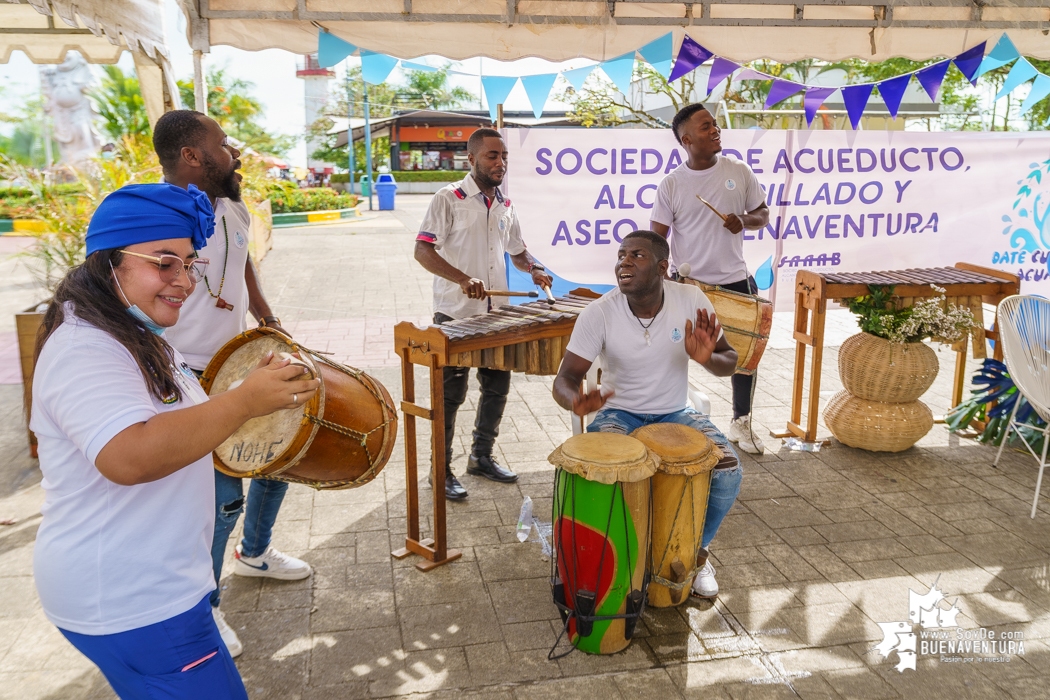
(137, 313)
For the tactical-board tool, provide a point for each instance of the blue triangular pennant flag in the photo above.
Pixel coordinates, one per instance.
(1040, 89)
(690, 56)
(969, 62)
(855, 98)
(892, 92)
(497, 88)
(814, 98)
(619, 70)
(538, 88)
(1022, 72)
(331, 49)
(375, 67)
(657, 54)
(576, 76)
(931, 78)
(780, 90)
(1003, 52)
(412, 65)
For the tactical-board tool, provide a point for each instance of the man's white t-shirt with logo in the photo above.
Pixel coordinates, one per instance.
(111, 558)
(645, 378)
(698, 236)
(203, 328)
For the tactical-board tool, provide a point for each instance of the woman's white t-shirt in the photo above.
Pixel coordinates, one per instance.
(112, 558)
(646, 377)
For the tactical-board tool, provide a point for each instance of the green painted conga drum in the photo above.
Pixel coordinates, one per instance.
(601, 514)
(681, 486)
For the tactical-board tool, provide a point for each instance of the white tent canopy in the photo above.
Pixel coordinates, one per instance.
(100, 30)
(743, 30)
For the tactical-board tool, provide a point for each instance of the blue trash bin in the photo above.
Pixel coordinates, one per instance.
(386, 188)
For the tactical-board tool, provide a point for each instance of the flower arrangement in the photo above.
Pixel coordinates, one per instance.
(880, 314)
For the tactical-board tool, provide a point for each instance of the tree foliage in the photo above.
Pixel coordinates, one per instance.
(25, 145)
(118, 100)
(231, 104)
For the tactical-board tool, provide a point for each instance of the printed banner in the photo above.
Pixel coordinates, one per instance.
(839, 201)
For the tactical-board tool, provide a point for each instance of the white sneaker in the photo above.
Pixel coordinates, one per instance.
(705, 585)
(741, 433)
(271, 564)
(229, 637)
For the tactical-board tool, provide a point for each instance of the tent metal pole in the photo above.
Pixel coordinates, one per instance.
(349, 126)
(200, 87)
(368, 147)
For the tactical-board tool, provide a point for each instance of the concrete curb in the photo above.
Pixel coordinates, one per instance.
(22, 226)
(313, 217)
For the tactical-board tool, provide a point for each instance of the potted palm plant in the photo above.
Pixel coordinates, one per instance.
(888, 366)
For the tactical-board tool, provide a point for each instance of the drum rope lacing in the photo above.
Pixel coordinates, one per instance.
(356, 435)
(691, 574)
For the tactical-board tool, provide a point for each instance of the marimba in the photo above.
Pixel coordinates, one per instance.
(965, 285)
(529, 338)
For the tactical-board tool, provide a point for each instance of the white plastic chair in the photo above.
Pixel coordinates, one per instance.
(698, 399)
(1024, 330)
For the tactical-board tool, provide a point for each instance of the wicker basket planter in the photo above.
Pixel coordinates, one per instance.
(875, 369)
(875, 425)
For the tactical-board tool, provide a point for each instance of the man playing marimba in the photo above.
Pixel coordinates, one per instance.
(711, 246)
(644, 334)
(468, 227)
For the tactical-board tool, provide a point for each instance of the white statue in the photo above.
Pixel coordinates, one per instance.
(64, 90)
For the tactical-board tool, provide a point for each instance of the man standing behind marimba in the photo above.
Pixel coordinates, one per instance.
(468, 227)
(713, 248)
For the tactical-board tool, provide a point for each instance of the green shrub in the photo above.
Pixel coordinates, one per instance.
(411, 176)
(7, 193)
(290, 200)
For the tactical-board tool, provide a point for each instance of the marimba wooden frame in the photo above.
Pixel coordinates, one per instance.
(812, 294)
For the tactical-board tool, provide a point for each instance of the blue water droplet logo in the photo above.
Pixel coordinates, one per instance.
(764, 274)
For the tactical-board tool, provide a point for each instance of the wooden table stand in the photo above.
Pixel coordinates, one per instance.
(430, 348)
(813, 291)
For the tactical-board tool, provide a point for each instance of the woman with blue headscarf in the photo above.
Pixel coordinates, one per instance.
(123, 555)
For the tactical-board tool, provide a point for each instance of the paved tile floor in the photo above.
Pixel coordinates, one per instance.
(820, 548)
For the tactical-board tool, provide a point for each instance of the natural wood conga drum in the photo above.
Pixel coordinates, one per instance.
(746, 320)
(681, 486)
(601, 538)
(341, 438)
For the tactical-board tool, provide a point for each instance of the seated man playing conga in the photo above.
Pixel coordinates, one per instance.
(645, 334)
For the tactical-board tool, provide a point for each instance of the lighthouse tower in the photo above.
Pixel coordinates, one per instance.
(315, 81)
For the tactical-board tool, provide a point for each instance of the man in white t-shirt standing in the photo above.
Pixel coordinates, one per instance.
(713, 248)
(644, 334)
(193, 149)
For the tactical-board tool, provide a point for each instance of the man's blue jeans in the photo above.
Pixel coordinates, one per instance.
(726, 478)
(264, 500)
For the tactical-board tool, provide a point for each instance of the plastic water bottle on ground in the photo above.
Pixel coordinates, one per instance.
(525, 519)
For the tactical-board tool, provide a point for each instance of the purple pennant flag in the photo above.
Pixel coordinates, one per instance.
(752, 74)
(892, 92)
(931, 77)
(855, 98)
(780, 90)
(968, 62)
(690, 55)
(720, 70)
(815, 97)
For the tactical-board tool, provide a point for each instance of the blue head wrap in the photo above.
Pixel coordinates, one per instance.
(144, 213)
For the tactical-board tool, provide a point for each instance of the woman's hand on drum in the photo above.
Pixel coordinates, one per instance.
(276, 384)
(702, 338)
(589, 402)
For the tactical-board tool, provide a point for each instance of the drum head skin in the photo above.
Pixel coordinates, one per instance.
(605, 458)
(263, 444)
(682, 450)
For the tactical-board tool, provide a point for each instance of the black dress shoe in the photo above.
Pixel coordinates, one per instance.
(454, 490)
(490, 469)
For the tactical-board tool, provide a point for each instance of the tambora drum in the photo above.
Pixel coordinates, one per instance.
(601, 538)
(746, 320)
(341, 438)
(681, 486)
